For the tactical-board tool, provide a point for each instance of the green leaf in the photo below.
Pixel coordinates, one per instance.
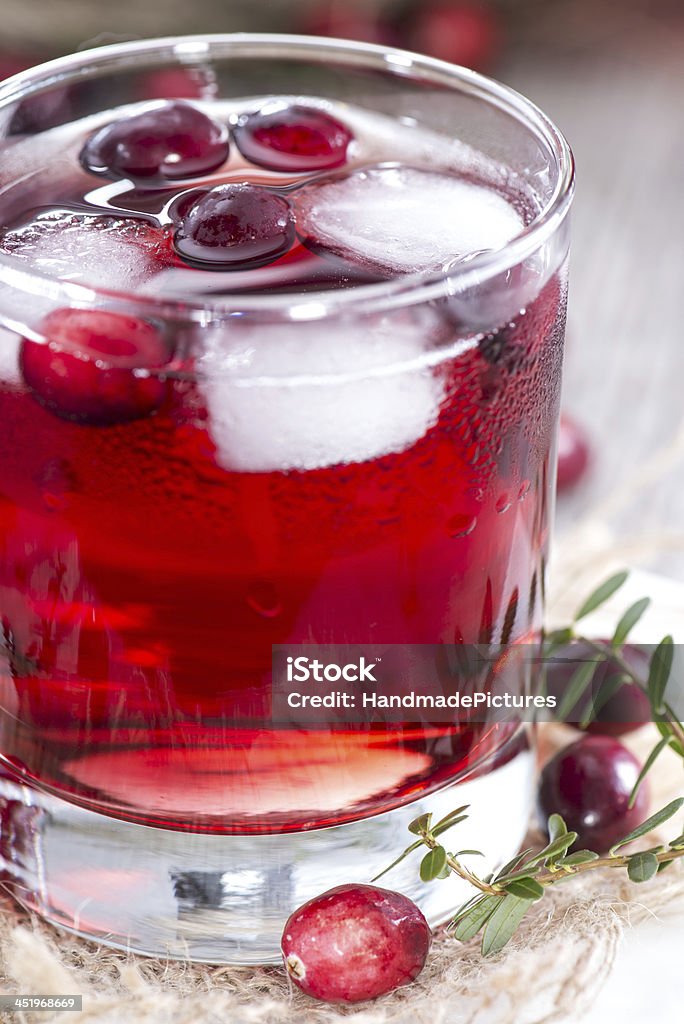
(629, 621)
(554, 849)
(648, 764)
(472, 853)
(607, 689)
(409, 849)
(558, 638)
(642, 866)
(420, 824)
(653, 822)
(601, 594)
(659, 673)
(452, 818)
(470, 923)
(578, 685)
(524, 872)
(556, 827)
(512, 864)
(437, 830)
(677, 844)
(503, 923)
(433, 864)
(526, 888)
(579, 857)
(664, 865)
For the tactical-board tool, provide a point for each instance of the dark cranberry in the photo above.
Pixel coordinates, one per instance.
(619, 707)
(462, 33)
(355, 942)
(69, 375)
(573, 453)
(292, 139)
(589, 784)
(169, 142)
(233, 227)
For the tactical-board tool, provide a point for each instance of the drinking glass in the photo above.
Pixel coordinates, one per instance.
(340, 469)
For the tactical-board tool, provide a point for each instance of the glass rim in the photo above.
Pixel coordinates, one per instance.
(401, 291)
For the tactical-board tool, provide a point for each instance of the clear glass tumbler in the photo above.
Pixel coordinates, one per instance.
(362, 465)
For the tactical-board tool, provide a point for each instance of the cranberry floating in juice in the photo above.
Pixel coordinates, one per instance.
(279, 391)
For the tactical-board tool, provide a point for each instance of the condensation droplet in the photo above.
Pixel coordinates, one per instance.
(460, 525)
(503, 502)
(262, 597)
(524, 489)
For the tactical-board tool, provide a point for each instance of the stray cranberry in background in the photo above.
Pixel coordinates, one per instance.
(292, 139)
(461, 33)
(573, 453)
(589, 784)
(619, 707)
(66, 373)
(355, 942)
(233, 227)
(168, 142)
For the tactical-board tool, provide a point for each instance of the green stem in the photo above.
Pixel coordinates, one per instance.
(608, 651)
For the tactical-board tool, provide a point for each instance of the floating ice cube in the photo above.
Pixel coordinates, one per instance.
(404, 219)
(9, 358)
(302, 396)
(101, 252)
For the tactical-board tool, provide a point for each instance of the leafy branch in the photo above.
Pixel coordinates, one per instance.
(502, 900)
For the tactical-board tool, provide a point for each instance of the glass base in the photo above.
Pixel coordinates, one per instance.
(225, 899)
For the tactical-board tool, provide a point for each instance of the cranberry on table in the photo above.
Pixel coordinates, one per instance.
(355, 942)
(69, 374)
(233, 227)
(464, 33)
(166, 143)
(626, 708)
(573, 453)
(295, 138)
(589, 784)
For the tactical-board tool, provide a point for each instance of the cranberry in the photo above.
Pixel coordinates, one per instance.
(172, 141)
(355, 942)
(589, 784)
(626, 708)
(67, 375)
(292, 139)
(573, 453)
(234, 226)
(462, 33)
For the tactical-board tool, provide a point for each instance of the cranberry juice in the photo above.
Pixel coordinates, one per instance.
(175, 499)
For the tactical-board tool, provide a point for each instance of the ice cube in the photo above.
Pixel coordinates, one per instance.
(403, 219)
(9, 358)
(103, 252)
(303, 396)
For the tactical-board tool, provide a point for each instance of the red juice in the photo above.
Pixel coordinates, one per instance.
(379, 480)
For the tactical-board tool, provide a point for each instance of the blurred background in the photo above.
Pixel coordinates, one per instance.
(611, 73)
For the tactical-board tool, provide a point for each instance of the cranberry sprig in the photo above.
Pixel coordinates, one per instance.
(503, 899)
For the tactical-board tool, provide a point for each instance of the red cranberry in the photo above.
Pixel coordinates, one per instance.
(573, 453)
(233, 227)
(461, 33)
(169, 142)
(67, 375)
(355, 942)
(589, 784)
(292, 139)
(625, 709)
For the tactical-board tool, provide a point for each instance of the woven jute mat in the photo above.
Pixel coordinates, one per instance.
(551, 971)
